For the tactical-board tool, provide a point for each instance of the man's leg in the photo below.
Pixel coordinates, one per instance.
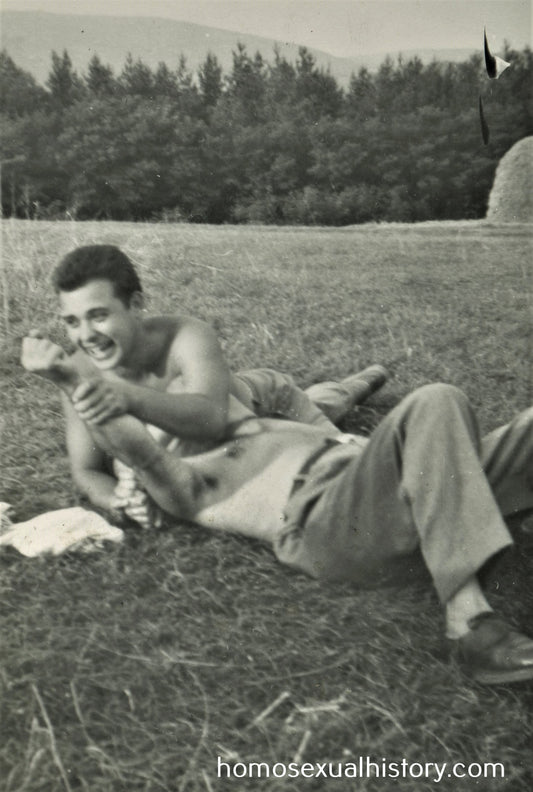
(419, 484)
(271, 393)
(336, 399)
(169, 481)
(507, 458)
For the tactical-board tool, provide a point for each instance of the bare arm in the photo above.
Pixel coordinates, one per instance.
(174, 485)
(198, 411)
(87, 461)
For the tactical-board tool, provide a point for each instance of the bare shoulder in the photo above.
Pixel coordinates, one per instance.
(177, 327)
(184, 344)
(184, 333)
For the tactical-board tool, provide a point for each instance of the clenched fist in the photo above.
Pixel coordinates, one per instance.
(132, 500)
(40, 356)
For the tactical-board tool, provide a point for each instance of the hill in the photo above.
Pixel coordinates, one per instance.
(30, 37)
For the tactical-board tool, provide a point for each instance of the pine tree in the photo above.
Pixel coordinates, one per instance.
(188, 98)
(63, 82)
(100, 79)
(19, 92)
(165, 82)
(210, 79)
(281, 84)
(316, 87)
(361, 97)
(137, 78)
(247, 84)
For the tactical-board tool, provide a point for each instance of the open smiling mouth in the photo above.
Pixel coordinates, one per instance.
(100, 351)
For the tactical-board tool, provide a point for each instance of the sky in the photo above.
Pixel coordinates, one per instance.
(340, 27)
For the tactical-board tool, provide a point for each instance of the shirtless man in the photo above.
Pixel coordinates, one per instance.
(167, 371)
(422, 487)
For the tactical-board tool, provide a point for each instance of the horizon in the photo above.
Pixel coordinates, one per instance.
(340, 28)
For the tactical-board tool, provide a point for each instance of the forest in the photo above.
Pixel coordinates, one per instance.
(270, 142)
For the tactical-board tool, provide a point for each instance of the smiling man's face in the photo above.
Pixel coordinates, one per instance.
(100, 323)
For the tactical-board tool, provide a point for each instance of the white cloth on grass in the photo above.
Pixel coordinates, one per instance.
(55, 532)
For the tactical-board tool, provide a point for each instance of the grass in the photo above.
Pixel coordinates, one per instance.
(134, 669)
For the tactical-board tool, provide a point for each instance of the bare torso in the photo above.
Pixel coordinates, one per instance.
(248, 480)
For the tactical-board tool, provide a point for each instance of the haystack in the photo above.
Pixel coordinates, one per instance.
(511, 197)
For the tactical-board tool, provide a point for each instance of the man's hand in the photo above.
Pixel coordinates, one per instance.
(97, 400)
(40, 356)
(137, 506)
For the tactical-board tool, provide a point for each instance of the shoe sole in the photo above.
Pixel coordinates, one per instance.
(374, 377)
(502, 677)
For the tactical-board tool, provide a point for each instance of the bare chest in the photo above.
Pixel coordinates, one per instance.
(249, 482)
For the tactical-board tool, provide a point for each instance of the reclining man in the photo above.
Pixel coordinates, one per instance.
(349, 508)
(168, 371)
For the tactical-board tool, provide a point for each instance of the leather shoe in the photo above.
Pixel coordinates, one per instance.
(493, 652)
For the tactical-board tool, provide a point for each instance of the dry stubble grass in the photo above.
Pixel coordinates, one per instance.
(134, 669)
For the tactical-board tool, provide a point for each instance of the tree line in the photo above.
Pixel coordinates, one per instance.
(268, 142)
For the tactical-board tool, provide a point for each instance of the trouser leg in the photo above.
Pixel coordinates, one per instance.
(507, 458)
(443, 482)
(336, 399)
(418, 484)
(273, 394)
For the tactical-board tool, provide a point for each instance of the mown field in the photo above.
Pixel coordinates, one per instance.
(135, 668)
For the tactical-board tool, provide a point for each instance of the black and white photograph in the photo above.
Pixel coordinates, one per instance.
(266, 404)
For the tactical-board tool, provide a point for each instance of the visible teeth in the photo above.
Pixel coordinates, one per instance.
(99, 350)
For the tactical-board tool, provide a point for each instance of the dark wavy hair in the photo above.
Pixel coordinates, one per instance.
(92, 262)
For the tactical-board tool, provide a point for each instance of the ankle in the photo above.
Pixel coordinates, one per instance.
(458, 625)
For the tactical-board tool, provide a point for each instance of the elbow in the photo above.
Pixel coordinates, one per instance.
(79, 480)
(215, 424)
(82, 485)
(86, 486)
(216, 428)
